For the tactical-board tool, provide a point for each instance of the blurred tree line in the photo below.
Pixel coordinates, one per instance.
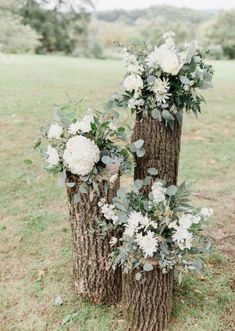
(73, 27)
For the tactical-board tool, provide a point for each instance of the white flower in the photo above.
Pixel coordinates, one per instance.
(132, 103)
(183, 237)
(113, 241)
(55, 131)
(82, 126)
(128, 57)
(160, 88)
(134, 69)
(53, 156)
(113, 178)
(133, 82)
(165, 58)
(206, 212)
(148, 243)
(109, 212)
(132, 223)
(80, 155)
(112, 126)
(158, 192)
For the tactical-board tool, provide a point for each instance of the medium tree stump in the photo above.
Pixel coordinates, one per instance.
(94, 278)
(148, 306)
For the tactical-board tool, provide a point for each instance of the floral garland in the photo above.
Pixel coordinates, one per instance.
(164, 80)
(85, 147)
(160, 229)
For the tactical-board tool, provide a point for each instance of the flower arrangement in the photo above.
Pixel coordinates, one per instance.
(164, 80)
(162, 229)
(88, 147)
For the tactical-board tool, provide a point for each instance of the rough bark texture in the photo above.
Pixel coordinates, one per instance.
(94, 277)
(147, 306)
(162, 148)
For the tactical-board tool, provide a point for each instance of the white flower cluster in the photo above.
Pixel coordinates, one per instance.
(55, 131)
(52, 156)
(158, 192)
(80, 155)
(160, 88)
(137, 228)
(82, 126)
(108, 211)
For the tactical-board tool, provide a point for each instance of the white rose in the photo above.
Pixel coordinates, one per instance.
(133, 82)
(168, 60)
(53, 156)
(55, 131)
(80, 155)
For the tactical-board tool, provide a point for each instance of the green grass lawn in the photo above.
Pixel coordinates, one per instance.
(35, 241)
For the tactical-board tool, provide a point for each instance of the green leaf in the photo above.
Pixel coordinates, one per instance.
(148, 267)
(121, 129)
(140, 152)
(179, 117)
(139, 143)
(106, 159)
(167, 115)
(138, 184)
(70, 184)
(28, 161)
(171, 190)
(76, 198)
(152, 171)
(156, 114)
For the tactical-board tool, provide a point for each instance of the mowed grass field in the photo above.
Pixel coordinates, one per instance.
(35, 241)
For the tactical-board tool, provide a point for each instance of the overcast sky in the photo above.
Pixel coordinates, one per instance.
(137, 4)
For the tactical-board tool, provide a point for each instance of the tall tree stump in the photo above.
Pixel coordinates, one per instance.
(148, 305)
(94, 278)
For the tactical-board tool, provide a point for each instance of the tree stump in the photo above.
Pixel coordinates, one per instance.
(94, 278)
(148, 306)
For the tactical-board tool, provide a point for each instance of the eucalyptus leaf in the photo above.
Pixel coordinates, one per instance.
(138, 184)
(70, 184)
(106, 159)
(140, 152)
(148, 267)
(184, 80)
(76, 198)
(152, 171)
(156, 114)
(171, 190)
(167, 115)
(139, 143)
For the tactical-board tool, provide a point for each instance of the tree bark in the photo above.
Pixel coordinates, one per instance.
(94, 278)
(162, 148)
(148, 305)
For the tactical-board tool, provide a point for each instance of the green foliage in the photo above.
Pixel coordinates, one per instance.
(223, 33)
(15, 37)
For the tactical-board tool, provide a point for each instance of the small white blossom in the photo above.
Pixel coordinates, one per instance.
(82, 126)
(113, 178)
(55, 131)
(158, 192)
(160, 88)
(133, 83)
(113, 241)
(108, 212)
(148, 243)
(53, 156)
(80, 155)
(133, 103)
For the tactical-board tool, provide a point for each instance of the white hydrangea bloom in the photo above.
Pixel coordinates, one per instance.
(55, 131)
(148, 243)
(133, 83)
(136, 221)
(158, 192)
(80, 155)
(53, 156)
(108, 211)
(206, 212)
(82, 126)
